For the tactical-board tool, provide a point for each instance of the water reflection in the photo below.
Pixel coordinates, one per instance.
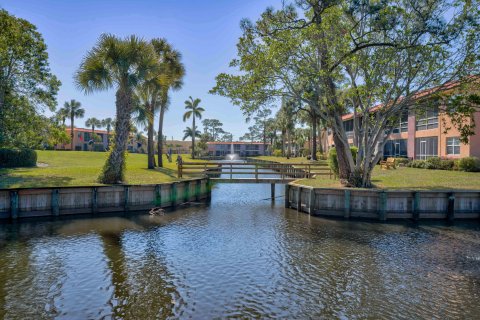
(237, 257)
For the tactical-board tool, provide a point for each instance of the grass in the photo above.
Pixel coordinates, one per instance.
(82, 168)
(411, 178)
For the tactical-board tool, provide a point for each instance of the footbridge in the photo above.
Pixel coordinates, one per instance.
(253, 171)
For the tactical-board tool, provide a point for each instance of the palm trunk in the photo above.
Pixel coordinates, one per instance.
(71, 132)
(283, 142)
(114, 168)
(150, 146)
(193, 137)
(160, 137)
(150, 149)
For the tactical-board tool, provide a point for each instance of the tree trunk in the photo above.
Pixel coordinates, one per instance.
(321, 148)
(193, 136)
(71, 132)
(150, 149)
(160, 137)
(344, 168)
(314, 138)
(283, 142)
(114, 168)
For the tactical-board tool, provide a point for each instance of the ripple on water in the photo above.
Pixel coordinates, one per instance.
(238, 257)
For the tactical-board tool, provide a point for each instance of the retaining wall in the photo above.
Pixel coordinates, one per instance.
(383, 204)
(36, 202)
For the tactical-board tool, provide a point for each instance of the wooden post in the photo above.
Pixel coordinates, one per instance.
(55, 204)
(158, 195)
(94, 200)
(346, 205)
(126, 192)
(287, 194)
(416, 204)
(299, 199)
(198, 185)
(173, 194)
(14, 204)
(451, 206)
(311, 209)
(383, 206)
(179, 169)
(272, 191)
(186, 191)
(256, 171)
(231, 169)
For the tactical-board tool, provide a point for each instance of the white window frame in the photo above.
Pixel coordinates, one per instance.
(453, 142)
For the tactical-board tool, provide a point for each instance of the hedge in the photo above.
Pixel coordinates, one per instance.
(468, 164)
(11, 158)
(333, 160)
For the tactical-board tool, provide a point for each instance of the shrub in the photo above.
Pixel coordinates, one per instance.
(447, 164)
(402, 161)
(11, 158)
(333, 160)
(432, 163)
(420, 164)
(277, 153)
(469, 164)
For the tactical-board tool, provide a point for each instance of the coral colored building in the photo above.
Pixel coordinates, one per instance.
(422, 136)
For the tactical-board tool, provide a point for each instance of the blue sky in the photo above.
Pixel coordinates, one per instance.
(205, 32)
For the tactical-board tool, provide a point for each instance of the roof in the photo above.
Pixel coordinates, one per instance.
(89, 130)
(446, 86)
(236, 142)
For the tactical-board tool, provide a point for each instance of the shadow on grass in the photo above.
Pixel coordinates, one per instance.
(9, 182)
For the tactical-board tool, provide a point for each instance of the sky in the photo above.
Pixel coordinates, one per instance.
(205, 32)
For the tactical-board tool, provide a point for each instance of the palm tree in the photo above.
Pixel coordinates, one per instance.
(74, 110)
(173, 72)
(194, 111)
(188, 133)
(123, 64)
(107, 123)
(93, 122)
(62, 115)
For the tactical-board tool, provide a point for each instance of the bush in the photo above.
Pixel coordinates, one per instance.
(11, 158)
(447, 164)
(333, 160)
(402, 161)
(432, 163)
(277, 153)
(469, 164)
(420, 164)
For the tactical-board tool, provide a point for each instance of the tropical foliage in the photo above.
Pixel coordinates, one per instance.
(27, 86)
(329, 58)
(123, 64)
(193, 111)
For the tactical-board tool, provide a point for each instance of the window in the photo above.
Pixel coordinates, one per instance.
(426, 148)
(402, 124)
(453, 145)
(395, 148)
(427, 119)
(348, 125)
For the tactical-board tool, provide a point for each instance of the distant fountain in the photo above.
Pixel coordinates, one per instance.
(232, 155)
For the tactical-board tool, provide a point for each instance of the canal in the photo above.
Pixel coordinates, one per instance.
(238, 256)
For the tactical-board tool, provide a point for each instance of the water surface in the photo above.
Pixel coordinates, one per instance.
(239, 256)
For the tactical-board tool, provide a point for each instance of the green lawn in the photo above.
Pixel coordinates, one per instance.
(81, 168)
(411, 178)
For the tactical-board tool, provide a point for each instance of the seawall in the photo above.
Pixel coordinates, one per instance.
(384, 204)
(42, 202)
